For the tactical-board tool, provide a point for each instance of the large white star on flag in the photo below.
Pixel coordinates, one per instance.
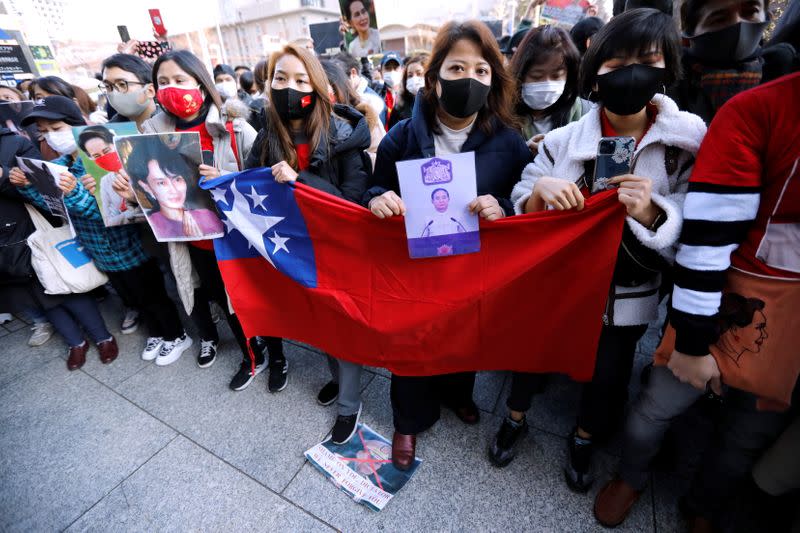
(253, 227)
(279, 242)
(258, 199)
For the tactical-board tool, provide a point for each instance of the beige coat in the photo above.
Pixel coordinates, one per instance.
(224, 159)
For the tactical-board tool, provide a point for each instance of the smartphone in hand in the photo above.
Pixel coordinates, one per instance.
(614, 156)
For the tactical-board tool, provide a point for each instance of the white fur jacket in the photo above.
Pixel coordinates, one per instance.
(562, 155)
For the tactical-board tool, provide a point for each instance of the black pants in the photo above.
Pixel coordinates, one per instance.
(523, 386)
(416, 399)
(743, 435)
(603, 399)
(211, 289)
(143, 288)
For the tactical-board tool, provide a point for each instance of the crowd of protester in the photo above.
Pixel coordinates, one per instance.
(712, 106)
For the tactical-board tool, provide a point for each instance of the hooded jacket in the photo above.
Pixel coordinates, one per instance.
(339, 166)
(562, 154)
(499, 157)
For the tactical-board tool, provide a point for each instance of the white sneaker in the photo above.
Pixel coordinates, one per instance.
(130, 322)
(42, 331)
(5, 317)
(152, 348)
(171, 350)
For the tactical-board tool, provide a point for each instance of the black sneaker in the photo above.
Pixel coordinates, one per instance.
(208, 354)
(278, 375)
(245, 375)
(345, 427)
(577, 471)
(501, 450)
(328, 394)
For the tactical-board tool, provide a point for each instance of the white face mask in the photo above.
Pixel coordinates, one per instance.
(127, 104)
(61, 141)
(414, 84)
(227, 89)
(393, 78)
(542, 94)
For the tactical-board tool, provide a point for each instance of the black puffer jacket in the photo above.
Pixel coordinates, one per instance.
(339, 167)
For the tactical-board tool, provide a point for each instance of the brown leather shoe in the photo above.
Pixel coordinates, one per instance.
(404, 450)
(108, 350)
(77, 356)
(468, 414)
(614, 502)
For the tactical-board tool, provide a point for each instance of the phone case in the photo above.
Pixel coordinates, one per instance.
(614, 155)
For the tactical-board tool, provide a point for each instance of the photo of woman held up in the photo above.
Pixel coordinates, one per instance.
(164, 174)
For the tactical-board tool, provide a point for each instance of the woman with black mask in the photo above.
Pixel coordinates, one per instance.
(309, 140)
(467, 107)
(628, 62)
(725, 55)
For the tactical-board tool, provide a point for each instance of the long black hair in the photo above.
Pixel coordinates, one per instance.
(189, 63)
(537, 46)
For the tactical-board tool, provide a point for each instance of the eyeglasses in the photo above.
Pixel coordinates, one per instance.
(121, 86)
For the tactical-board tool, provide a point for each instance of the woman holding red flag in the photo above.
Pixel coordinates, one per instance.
(466, 106)
(309, 140)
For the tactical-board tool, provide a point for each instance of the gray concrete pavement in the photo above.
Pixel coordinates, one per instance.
(135, 447)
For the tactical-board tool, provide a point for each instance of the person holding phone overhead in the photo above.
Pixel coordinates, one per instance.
(628, 62)
(467, 107)
(191, 103)
(307, 139)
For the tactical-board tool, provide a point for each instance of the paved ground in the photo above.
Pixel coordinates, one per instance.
(135, 447)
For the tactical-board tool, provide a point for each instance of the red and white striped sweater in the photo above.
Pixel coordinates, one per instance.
(746, 178)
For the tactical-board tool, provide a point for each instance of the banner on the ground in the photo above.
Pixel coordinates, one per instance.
(362, 467)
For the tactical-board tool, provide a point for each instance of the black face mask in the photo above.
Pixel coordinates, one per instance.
(463, 98)
(732, 44)
(292, 104)
(627, 90)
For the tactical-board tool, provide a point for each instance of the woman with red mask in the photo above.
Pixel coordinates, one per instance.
(191, 103)
(98, 143)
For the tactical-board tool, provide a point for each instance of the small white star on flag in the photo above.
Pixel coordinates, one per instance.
(279, 242)
(258, 199)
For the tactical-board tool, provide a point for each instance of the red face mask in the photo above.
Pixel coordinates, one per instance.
(109, 162)
(180, 101)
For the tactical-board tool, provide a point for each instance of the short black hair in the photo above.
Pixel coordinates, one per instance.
(242, 67)
(434, 191)
(584, 29)
(631, 33)
(665, 6)
(349, 62)
(690, 11)
(95, 132)
(129, 63)
(222, 68)
(246, 81)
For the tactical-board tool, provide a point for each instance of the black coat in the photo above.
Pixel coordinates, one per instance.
(19, 287)
(499, 157)
(339, 166)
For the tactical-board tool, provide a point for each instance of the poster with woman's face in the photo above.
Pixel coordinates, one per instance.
(362, 38)
(163, 172)
(101, 160)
